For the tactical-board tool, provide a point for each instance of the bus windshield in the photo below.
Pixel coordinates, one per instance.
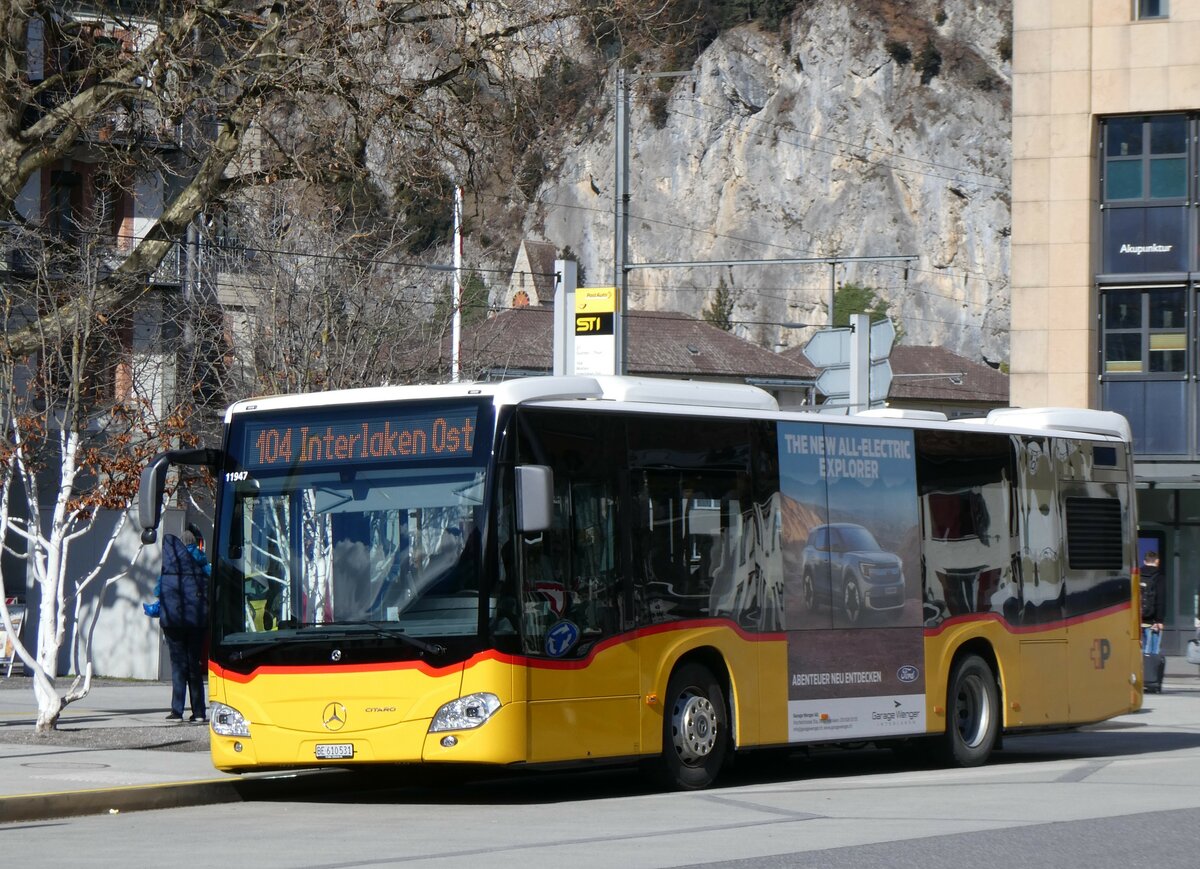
(325, 549)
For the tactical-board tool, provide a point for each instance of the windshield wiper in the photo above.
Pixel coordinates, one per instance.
(243, 654)
(346, 629)
(385, 629)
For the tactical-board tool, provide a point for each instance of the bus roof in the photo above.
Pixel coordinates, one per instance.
(1077, 420)
(641, 390)
(704, 396)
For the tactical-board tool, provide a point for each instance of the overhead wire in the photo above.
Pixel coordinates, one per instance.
(942, 273)
(958, 170)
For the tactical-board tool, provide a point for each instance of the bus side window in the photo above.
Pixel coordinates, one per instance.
(683, 526)
(596, 586)
(966, 489)
(570, 571)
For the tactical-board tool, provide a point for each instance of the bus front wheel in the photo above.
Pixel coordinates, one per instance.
(973, 713)
(695, 729)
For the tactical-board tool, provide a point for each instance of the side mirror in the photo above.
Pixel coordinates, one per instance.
(150, 496)
(535, 498)
(154, 482)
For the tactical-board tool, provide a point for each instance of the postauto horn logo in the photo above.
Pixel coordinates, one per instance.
(908, 673)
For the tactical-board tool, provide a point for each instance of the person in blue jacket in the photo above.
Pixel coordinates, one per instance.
(183, 615)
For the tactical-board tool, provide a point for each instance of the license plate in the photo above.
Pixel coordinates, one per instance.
(335, 750)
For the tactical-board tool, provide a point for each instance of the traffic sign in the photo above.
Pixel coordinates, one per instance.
(828, 347)
(881, 380)
(830, 350)
(835, 382)
(883, 336)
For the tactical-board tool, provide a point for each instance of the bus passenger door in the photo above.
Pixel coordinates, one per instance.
(582, 673)
(1040, 614)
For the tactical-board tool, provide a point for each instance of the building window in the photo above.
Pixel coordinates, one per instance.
(1144, 364)
(1144, 331)
(1144, 176)
(64, 203)
(35, 50)
(1145, 158)
(1143, 9)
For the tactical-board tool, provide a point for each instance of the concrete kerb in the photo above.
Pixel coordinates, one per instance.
(167, 795)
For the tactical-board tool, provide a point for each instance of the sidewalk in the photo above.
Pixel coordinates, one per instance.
(113, 751)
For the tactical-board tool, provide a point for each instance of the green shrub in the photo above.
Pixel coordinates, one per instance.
(899, 51)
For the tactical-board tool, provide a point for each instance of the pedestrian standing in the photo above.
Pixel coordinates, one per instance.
(183, 615)
(1154, 603)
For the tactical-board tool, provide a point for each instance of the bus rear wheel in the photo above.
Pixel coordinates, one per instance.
(695, 729)
(973, 713)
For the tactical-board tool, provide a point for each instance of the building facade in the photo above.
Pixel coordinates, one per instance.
(1106, 245)
(89, 208)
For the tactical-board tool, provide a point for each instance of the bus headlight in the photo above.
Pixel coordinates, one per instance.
(465, 712)
(227, 721)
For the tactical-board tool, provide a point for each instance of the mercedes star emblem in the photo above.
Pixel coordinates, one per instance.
(334, 716)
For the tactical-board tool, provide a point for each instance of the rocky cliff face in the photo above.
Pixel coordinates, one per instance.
(861, 129)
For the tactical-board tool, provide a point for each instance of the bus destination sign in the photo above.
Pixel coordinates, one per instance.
(314, 442)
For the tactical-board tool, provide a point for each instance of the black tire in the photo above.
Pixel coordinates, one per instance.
(972, 713)
(695, 729)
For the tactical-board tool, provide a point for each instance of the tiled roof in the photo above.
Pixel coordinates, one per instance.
(661, 343)
(541, 266)
(927, 373)
(944, 376)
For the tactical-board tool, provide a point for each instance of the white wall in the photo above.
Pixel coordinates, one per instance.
(124, 642)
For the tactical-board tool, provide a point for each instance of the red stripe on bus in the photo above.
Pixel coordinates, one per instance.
(1057, 624)
(502, 657)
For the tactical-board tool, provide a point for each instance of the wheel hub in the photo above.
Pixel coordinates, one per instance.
(694, 727)
(973, 712)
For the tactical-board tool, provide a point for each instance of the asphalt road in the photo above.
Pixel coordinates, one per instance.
(1120, 795)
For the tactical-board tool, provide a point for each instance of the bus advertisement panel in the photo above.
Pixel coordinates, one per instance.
(851, 543)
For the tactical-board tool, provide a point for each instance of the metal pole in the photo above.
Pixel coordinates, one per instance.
(456, 323)
(620, 241)
(860, 362)
(832, 289)
(565, 280)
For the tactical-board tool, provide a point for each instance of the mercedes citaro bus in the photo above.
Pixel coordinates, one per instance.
(562, 570)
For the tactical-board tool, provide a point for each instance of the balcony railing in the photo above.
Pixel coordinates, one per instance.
(170, 270)
(146, 129)
(20, 261)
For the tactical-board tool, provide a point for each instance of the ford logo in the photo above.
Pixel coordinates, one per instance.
(908, 673)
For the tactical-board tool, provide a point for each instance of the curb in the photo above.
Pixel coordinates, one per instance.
(136, 798)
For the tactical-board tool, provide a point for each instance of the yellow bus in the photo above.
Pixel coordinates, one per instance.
(561, 570)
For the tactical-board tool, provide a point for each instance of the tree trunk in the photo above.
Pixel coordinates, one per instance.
(49, 703)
